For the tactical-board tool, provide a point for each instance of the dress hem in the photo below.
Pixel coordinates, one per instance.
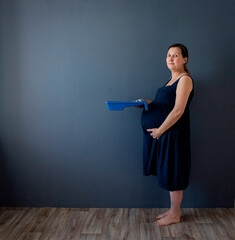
(167, 188)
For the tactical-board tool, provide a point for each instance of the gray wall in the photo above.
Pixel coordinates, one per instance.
(61, 60)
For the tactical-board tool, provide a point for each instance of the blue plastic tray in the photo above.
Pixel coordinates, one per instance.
(119, 106)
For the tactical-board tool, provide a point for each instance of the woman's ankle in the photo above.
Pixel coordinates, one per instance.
(175, 212)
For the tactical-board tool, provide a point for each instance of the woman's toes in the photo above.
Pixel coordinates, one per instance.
(168, 220)
(162, 215)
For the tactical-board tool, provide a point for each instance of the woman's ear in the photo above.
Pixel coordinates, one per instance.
(185, 60)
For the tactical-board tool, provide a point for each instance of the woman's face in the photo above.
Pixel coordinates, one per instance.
(175, 60)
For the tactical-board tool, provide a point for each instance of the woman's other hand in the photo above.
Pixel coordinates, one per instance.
(143, 100)
(155, 132)
(147, 101)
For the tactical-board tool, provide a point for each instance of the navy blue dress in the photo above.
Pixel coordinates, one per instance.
(169, 157)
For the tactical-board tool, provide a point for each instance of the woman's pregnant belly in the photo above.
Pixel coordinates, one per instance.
(155, 116)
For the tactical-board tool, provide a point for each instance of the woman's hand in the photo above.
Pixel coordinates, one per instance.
(155, 132)
(145, 100)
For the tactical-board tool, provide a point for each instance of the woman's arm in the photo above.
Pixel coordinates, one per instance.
(183, 90)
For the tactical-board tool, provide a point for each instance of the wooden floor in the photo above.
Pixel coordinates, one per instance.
(114, 224)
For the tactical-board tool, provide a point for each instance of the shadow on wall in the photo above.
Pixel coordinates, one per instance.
(212, 114)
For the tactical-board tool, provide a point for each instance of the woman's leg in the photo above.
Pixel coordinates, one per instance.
(172, 215)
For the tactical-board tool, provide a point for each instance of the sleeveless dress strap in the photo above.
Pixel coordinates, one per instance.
(183, 75)
(177, 79)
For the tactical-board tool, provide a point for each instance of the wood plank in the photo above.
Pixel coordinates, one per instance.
(93, 223)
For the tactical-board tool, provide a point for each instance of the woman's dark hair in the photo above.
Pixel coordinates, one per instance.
(184, 52)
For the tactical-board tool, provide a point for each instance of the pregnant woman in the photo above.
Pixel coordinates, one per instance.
(166, 126)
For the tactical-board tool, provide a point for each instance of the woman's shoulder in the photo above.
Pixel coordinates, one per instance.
(186, 80)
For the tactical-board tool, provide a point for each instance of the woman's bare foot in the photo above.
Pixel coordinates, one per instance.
(170, 218)
(162, 215)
